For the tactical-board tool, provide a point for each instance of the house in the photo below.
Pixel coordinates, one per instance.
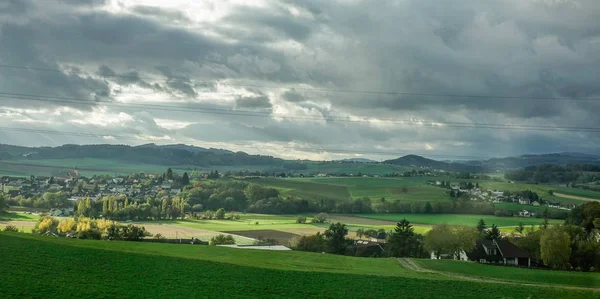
(380, 238)
(554, 204)
(524, 201)
(499, 252)
(462, 256)
(535, 203)
(367, 248)
(62, 212)
(526, 214)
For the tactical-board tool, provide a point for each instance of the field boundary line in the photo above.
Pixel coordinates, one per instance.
(411, 265)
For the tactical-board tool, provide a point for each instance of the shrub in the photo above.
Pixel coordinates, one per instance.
(320, 218)
(91, 234)
(220, 214)
(11, 228)
(46, 224)
(301, 219)
(222, 240)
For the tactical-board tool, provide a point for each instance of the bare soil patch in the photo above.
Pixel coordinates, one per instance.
(359, 220)
(574, 197)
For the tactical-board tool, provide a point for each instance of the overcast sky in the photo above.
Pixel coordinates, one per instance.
(304, 78)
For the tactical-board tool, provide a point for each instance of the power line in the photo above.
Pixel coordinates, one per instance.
(313, 150)
(315, 89)
(246, 113)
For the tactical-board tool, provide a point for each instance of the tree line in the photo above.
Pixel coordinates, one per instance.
(556, 173)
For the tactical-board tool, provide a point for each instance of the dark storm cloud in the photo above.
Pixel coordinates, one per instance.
(532, 50)
(293, 96)
(254, 102)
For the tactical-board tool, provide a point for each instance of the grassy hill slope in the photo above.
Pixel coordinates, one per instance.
(590, 280)
(35, 266)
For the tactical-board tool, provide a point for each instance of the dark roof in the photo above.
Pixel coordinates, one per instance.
(487, 243)
(510, 250)
(479, 253)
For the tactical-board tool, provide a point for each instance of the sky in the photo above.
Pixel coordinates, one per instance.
(304, 79)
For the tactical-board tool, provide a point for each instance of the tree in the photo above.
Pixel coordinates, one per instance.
(555, 247)
(336, 238)
(493, 233)
(402, 242)
(3, 204)
(520, 228)
(312, 243)
(220, 214)
(67, 225)
(169, 174)
(301, 219)
(428, 208)
(481, 226)
(96, 188)
(450, 239)
(320, 218)
(185, 179)
(222, 240)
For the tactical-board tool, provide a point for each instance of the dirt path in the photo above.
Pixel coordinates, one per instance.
(411, 265)
(18, 223)
(575, 197)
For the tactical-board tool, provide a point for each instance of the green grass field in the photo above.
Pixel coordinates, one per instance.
(462, 219)
(95, 269)
(591, 280)
(17, 216)
(406, 189)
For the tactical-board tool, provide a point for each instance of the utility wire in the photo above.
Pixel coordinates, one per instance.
(246, 113)
(315, 89)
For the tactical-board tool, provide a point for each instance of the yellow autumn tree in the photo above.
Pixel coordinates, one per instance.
(67, 225)
(46, 224)
(85, 224)
(104, 224)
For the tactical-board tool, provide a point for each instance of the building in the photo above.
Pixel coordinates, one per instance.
(524, 201)
(499, 252)
(526, 214)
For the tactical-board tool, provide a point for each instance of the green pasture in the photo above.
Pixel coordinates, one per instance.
(17, 216)
(458, 219)
(343, 188)
(590, 280)
(95, 269)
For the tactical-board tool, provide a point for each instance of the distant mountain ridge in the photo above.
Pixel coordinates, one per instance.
(177, 154)
(418, 161)
(523, 161)
(181, 154)
(357, 160)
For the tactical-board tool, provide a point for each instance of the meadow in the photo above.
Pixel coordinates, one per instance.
(459, 219)
(344, 188)
(36, 266)
(590, 280)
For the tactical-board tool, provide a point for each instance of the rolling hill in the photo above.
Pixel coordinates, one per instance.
(422, 162)
(46, 267)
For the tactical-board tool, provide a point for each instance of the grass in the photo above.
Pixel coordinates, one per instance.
(307, 189)
(591, 280)
(94, 269)
(516, 207)
(406, 189)
(462, 219)
(17, 216)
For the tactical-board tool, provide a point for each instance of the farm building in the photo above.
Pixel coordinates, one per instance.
(368, 249)
(499, 252)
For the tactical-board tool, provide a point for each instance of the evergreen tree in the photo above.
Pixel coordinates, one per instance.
(402, 241)
(481, 226)
(185, 180)
(493, 233)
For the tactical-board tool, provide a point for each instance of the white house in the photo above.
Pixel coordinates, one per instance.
(526, 213)
(462, 256)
